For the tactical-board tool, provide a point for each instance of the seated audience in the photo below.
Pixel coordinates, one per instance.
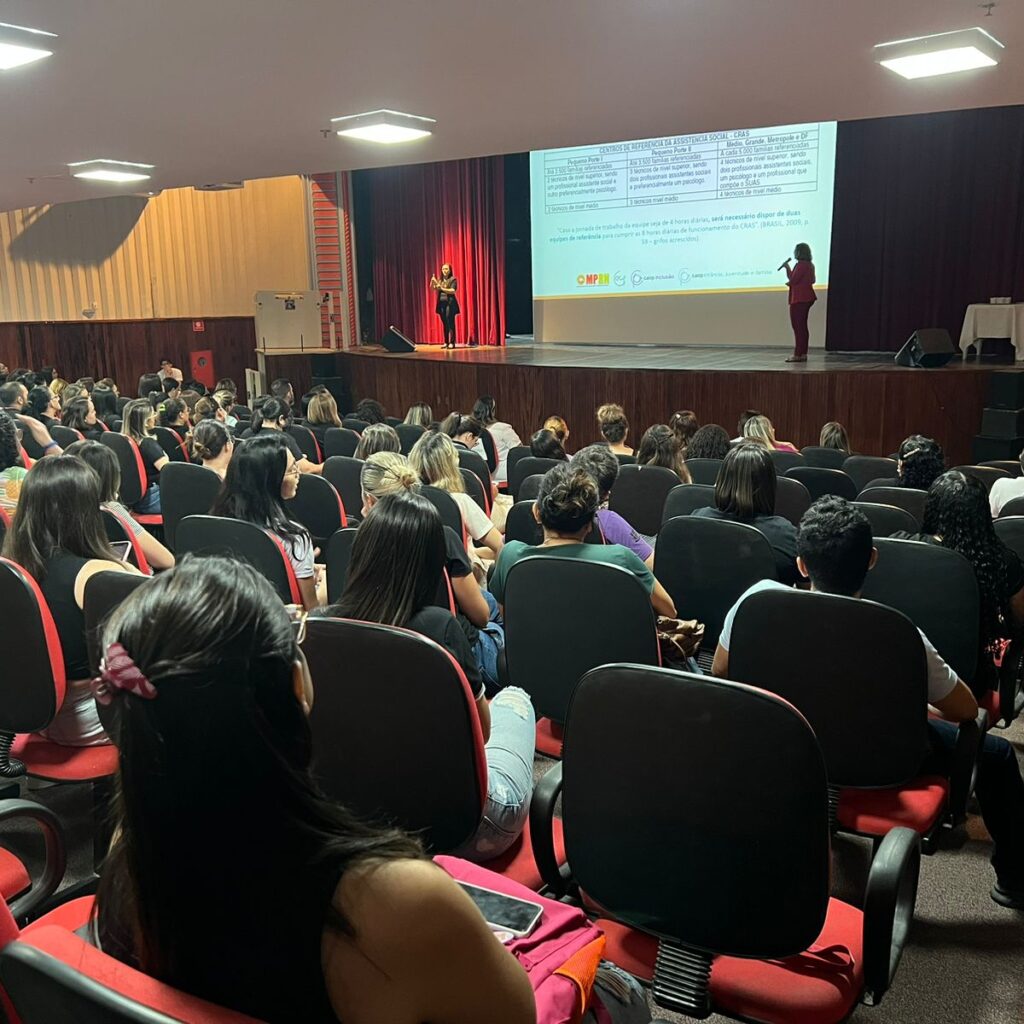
(190, 397)
(377, 437)
(13, 400)
(614, 428)
(139, 420)
(273, 416)
(565, 509)
(12, 467)
(58, 386)
(226, 384)
(745, 493)
(435, 459)
(212, 446)
(708, 442)
(108, 383)
(170, 388)
(684, 425)
(227, 401)
(58, 538)
(322, 415)
(282, 390)
(104, 463)
(47, 374)
(559, 428)
(747, 414)
(505, 438)
(396, 566)
(600, 462)
(919, 463)
(174, 415)
(545, 445)
(209, 409)
(1005, 490)
(370, 411)
(833, 435)
(169, 371)
(836, 552)
(44, 405)
(105, 401)
(464, 431)
(261, 476)
(659, 447)
(419, 415)
(759, 430)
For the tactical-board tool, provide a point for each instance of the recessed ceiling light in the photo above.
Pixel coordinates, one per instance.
(118, 171)
(384, 126)
(20, 46)
(942, 54)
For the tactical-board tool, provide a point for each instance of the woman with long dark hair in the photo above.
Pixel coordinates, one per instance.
(447, 307)
(919, 462)
(684, 425)
(485, 412)
(138, 422)
(393, 577)
(104, 398)
(261, 476)
(174, 414)
(364, 928)
(80, 415)
(800, 280)
(709, 442)
(545, 445)
(273, 416)
(660, 447)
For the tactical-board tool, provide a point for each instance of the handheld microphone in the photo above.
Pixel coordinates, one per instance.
(781, 265)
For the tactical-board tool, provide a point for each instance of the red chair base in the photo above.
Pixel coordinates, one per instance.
(549, 738)
(918, 805)
(46, 760)
(517, 862)
(991, 704)
(14, 877)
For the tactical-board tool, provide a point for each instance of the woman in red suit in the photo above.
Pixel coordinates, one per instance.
(801, 298)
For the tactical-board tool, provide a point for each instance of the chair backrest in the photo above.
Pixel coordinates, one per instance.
(988, 475)
(216, 535)
(133, 470)
(639, 496)
(529, 489)
(526, 466)
(340, 441)
(823, 458)
(343, 472)
(65, 436)
(317, 505)
(1011, 467)
(520, 451)
(685, 498)
(1014, 507)
(888, 519)
(785, 461)
(707, 564)
(172, 443)
(1010, 530)
(122, 401)
(408, 435)
(851, 658)
(704, 471)
(670, 729)
(337, 555)
(186, 489)
(520, 524)
(426, 770)
(471, 461)
(862, 469)
(910, 499)
(119, 531)
(820, 482)
(392, 421)
(564, 617)
(450, 513)
(937, 590)
(626, 460)
(307, 442)
(104, 591)
(33, 659)
(792, 499)
(354, 423)
(490, 449)
(475, 489)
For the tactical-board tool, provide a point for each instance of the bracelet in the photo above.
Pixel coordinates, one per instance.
(52, 444)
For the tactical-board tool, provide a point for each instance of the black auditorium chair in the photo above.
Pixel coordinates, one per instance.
(186, 489)
(408, 435)
(686, 498)
(793, 953)
(785, 461)
(525, 467)
(133, 474)
(1009, 466)
(104, 591)
(450, 514)
(1014, 507)
(987, 475)
(425, 769)
(317, 505)
(520, 524)
(820, 482)
(792, 499)
(529, 489)
(343, 471)
(123, 400)
(490, 450)
(888, 519)
(65, 436)
(910, 499)
(521, 451)
(475, 490)
(867, 703)
(23, 895)
(704, 471)
(353, 423)
(626, 460)
(476, 465)
(823, 458)
(307, 442)
(392, 421)
(607, 616)
(337, 555)
(705, 565)
(217, 535)
(1010, 530)
(639, 496)
(862, 469)
(120, 532)
(340, 441)
(172, 443)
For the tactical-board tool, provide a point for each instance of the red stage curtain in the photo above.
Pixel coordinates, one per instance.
(428, 214)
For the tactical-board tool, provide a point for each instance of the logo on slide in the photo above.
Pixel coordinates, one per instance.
(684, 276)
(637, 279)
(620, 278)
(592, 280)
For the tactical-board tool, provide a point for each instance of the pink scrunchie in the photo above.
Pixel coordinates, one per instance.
(119, 673)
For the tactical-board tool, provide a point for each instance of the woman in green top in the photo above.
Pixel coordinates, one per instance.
(12, 471)
(565, 509)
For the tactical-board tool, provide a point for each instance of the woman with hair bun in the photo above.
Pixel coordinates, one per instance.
(614, 427)
(565, 508)
(212, 446)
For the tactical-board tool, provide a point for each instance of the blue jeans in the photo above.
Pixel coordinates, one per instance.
(490, 640)
(509, 776)
(149, 503)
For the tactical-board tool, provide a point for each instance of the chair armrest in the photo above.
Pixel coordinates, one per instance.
(542, 816)
(889, 909)
(24, 907)
(1010, 672)
(503, 679)
(963, 766)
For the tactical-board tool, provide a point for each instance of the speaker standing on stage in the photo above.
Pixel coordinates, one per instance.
(801, 298)
(447, 302)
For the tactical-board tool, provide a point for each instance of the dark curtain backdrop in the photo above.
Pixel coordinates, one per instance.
(428, 214)
(928, 217)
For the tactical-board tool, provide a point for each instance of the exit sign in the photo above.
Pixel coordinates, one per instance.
(198, 326)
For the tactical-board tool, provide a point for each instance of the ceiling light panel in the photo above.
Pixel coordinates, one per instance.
(118, 172)
(20, 46)
(386, 127)
(945, 53)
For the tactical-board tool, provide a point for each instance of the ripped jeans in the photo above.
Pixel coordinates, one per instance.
(509, 776)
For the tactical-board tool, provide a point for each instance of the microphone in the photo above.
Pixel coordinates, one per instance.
(782, 264)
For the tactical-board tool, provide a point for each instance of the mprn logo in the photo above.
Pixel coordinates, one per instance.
(592, 280)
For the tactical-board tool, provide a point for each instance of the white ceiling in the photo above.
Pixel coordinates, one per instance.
(216, 90)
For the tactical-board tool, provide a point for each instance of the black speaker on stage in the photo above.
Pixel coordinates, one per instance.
(928, 347)
(338, 387)
(395, 341)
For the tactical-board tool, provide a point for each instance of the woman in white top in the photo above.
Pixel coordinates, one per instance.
(505, 438)
(436, 460)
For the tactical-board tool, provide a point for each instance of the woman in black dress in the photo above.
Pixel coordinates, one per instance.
(447, 302)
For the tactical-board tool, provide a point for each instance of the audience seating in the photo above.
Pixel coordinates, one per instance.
(343, 472)
(259, 547)
(792, 499)
(987, 475)
(524, 467)
(103, 593)
(639, 496)
(338, 441)
(862, 469)
(820, 482)
(704, 471)
(354, 423)
(337, 555)
(866, 702)
(65, 436)
(172, 443)
(1014, 507)
(475, 489)
(910, 499)
(119, 531)
(529, 489)
(520, 524)
(307, 442)
(603, 608)
(1010, 530)
(686, 498)
(1010, 466)
(521, 451)
(626, 460)
(888, 519)
(490, 450)
(450, 513)
(186, 489)
(392, 421)
(123, 400)
(23, 895)
(408, 435)
(707, 854)
(471, 461)
(823, 458)
(427, 770)
(133, 475)
(785, 461)
(318, 507)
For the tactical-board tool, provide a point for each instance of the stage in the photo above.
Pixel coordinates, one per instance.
(878, 402)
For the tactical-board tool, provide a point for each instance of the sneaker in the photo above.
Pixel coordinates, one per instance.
(1007, 897)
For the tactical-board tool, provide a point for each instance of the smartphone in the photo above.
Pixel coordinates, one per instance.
(502, 912)
(122, 548)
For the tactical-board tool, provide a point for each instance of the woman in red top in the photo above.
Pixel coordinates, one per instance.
(801, 298)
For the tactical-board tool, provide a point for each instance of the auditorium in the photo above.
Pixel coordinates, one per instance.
(675, 351)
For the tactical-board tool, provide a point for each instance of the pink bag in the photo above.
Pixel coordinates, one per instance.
(561, 955)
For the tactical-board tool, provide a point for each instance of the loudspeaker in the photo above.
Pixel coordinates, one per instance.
(1002, 423)
(1006, 390)
(395, 341)
(987, 449)
(338, 387)
(928, 347)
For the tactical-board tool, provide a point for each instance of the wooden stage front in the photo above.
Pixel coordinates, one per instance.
(878, 402)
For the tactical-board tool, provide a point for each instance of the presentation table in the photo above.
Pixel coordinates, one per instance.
(987, 320)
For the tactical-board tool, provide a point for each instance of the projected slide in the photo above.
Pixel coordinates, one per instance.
(714, 212)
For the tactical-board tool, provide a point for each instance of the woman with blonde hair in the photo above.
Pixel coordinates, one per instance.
(419, 415)
(435, 458)
(139, 420)
(833, 435)
(659, 447)
(759, 429)
(614, 427)
(321, 415)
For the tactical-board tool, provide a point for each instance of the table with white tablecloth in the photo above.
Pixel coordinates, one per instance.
(990, 320)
